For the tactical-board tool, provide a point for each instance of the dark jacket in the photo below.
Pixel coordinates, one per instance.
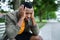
(12, 28)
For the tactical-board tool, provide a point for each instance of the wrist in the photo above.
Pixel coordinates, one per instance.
(20, 21)
(33, 21)
(22, 18)
(32, 17)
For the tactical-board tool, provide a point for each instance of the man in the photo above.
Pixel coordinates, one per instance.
(21, 25)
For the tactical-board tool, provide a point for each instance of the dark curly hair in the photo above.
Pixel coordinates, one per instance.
(27, 4)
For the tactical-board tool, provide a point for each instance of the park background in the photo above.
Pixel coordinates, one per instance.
(47, 16)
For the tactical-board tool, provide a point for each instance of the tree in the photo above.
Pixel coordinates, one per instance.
(44, 6)
(50, 15)
(15, 3)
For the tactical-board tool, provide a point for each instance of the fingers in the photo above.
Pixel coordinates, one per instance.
(32, 10)
(25, 8)
(22, 11)
(21, 8)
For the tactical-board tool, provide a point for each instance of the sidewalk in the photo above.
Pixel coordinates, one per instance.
(51, 31)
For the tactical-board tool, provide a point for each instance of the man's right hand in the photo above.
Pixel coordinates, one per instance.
(22, 11)
(22, 15)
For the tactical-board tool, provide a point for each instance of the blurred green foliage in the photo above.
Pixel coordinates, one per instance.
(45, 8)
(50, 15)
(2, 11)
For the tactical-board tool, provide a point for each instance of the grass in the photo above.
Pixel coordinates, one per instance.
(44, 20)
(41, 24)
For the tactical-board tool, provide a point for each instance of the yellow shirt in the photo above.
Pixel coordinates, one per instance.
(22, 28)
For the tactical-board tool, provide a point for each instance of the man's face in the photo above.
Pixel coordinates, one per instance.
(28, 12)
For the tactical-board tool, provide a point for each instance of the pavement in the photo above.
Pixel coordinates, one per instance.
(50, 31)
(52, 20)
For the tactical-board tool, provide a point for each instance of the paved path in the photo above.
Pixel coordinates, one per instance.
(52, 20)
(50, 31)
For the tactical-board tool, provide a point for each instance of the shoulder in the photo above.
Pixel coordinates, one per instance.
(13, 13)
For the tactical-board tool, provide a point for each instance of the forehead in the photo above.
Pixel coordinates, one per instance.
(29, 10)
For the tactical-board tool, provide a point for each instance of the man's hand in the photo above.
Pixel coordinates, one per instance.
(22, 11)
(32, 15)
(22, 14)
(36, 38)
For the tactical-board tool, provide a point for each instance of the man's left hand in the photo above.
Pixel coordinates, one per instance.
(32, 15)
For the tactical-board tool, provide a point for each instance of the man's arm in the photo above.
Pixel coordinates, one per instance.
(34, 28)
(11, 29)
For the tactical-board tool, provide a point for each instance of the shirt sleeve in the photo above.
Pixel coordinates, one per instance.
(11, 28)
(35, 29)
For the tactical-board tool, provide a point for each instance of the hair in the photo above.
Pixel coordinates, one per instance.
(27, 4)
